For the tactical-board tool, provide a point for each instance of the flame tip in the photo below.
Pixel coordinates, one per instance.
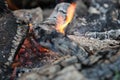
(63, 24)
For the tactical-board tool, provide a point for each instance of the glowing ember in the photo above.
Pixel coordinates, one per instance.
(61, 24)
(29, 50)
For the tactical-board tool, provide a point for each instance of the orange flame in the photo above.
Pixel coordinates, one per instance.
(61, 24)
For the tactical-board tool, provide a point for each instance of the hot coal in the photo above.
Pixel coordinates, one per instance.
(31, 54)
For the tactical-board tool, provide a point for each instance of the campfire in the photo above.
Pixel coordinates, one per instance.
(32, 49)
(64, 46)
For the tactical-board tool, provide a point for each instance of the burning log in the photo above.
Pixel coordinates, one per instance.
(48, 37)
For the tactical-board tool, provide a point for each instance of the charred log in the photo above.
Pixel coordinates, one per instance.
(11, 35)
